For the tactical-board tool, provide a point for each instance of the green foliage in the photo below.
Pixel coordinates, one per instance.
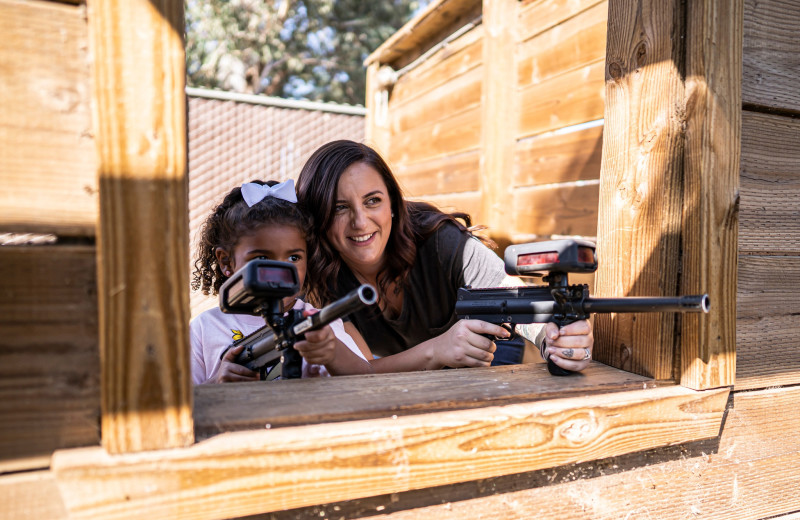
(311, 49)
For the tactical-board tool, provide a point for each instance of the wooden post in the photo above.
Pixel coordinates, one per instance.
(140, 131)
(498, 124)
(711, 194)
(639, 223)
(376, 124)
(668, 189)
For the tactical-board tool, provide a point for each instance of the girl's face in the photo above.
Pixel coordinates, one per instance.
(362, 220)
(281, 242)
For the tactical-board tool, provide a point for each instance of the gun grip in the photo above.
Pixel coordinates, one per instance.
(557, 370)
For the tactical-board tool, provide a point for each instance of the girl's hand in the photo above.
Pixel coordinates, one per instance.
(464, 344)
(570, 347)
(231, 372)
(319, 346)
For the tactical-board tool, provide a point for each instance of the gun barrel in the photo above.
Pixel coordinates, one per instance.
(263, 347)
(693, 303)
(356, 299)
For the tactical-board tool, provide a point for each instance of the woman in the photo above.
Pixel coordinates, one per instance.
(417, 257)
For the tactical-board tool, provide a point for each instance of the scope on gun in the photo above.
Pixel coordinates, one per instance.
(566, 256)
(258, 281)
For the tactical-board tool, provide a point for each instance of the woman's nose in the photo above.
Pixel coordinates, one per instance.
(357, 218)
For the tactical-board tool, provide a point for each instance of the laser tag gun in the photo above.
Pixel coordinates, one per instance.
(258, 289)
(557, 302)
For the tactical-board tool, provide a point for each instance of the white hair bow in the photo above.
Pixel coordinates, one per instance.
(254, 193)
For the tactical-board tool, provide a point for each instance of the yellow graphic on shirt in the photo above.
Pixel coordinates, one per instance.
(237, 334)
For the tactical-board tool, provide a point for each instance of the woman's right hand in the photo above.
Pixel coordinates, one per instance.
(231, 372)
(465, 344)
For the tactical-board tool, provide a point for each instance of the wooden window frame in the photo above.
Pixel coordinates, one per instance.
(427, 429)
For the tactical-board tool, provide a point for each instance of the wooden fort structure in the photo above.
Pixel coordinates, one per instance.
(676, 119)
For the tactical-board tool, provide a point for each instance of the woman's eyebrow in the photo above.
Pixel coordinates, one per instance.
(373, 192)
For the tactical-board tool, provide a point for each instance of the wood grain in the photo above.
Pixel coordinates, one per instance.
(457, 133)
(434, 23)
(710, 221)
(571, 98)
(578, 41)
(32, 495)
(498, 100)
(139, 71)
(48, 163)
(451, 61)
(562, 157)
(569, 209)
(441, 175)
(639, 223)
(460, 93)
(537, 16)
(225, 408)
(254, 472)
(769, 217)
(748, 472)
(49, 359)
(770, 72)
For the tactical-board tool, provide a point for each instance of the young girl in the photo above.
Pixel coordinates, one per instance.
(260, 220)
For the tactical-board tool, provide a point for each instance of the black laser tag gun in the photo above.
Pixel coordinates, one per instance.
(257, 289)
(557, 302)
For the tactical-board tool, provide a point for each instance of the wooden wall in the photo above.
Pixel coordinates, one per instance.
(507, 127)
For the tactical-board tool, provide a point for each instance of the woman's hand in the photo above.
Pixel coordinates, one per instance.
(570, 346)
(319, 346)
(464, 344)
(231, 372)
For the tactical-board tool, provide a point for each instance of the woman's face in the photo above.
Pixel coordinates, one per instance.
(362, 219)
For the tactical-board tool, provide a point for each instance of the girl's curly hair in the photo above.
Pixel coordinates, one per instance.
(229, 222)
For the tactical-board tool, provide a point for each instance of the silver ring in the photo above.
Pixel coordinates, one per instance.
(588, 354)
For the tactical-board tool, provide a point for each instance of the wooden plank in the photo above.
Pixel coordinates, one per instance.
(559, 157)
(577, 42)
(770, 73)
(31, 496)
(568, 209)
(767, 351)
(461, 93)
(48, 161)
(244, 473)
(639, 223)
(435, 22)
(537, 16)
(749, 472)
(49, 360)
(459, 133)
(569, 99)
(454, 59)
(467, 202)
(225, 408)
(143, 245)
(498, 103)
(710, 225)
(442, 175)
(767, 286)
(376, 122)
(769, 216)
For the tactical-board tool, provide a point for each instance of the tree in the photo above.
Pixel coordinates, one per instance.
(311, 49)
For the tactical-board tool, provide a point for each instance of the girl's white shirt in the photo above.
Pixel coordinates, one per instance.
(212, 331)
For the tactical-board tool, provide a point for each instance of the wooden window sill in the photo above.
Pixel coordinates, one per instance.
(353, 437)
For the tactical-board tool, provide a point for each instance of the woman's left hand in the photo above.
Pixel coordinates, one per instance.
(570, 346)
